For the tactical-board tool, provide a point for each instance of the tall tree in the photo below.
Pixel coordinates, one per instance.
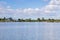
(38, 19)
(10, 19)
(19, 20)
(43, 19)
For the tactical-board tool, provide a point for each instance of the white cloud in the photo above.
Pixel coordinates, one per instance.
(52, 7)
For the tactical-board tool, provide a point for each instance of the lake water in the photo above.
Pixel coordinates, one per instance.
(29, 31)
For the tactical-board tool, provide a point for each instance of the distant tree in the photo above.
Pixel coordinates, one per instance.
(38, 19)
(52, 20)
(0, 19)
(43, 19)
(10, 19)
(19, 20)
(29, 19)
(22, 20)
(4, 18)
(49, 19)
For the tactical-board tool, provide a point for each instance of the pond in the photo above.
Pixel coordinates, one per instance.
(29, 31)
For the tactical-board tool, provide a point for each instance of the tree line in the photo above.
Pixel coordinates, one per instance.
(28, 20)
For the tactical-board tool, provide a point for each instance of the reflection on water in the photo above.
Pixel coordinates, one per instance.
(29, 31)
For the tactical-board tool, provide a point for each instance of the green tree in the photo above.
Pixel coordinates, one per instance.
(4, 18)
(38, 19)
(0, 19)
(10, 19)
(43, 19)
(28, 20)
(19, 20)
(52, 20)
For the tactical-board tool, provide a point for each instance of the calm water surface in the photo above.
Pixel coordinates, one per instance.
(29, 31)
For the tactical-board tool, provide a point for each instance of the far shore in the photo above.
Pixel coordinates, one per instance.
(28, 20)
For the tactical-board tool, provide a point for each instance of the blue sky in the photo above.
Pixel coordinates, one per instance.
(30, 8)
(26, 3)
